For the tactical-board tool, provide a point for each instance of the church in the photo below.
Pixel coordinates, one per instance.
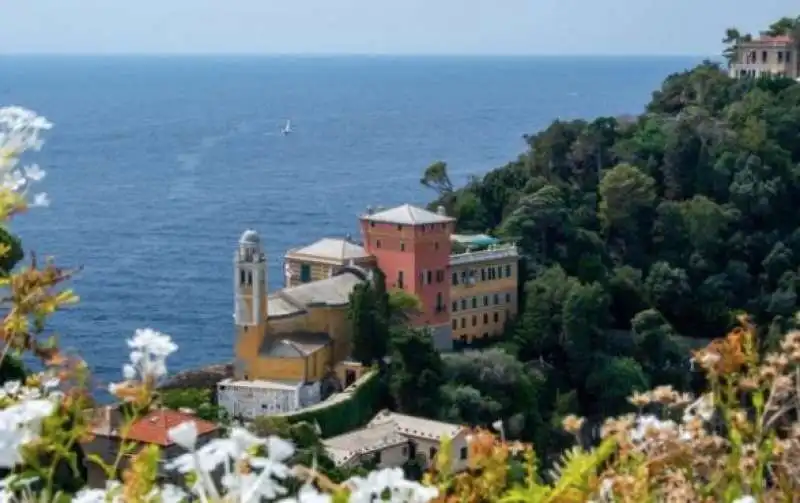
(292, 346)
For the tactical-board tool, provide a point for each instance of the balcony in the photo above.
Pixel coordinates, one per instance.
(492, 253)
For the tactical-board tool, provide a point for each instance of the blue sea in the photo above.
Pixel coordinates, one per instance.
(157, 164)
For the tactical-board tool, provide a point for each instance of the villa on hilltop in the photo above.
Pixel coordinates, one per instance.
(766, 57)
(293, 346)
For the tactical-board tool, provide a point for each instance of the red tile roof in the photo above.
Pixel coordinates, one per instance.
(780, 39)
(153, 428)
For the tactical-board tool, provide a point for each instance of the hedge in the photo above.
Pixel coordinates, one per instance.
(344, 411)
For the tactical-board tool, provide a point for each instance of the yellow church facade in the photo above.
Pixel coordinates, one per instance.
(290, 344)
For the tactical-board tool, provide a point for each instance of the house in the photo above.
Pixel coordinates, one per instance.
(766, 56)
(467, 284)
(391, 439)
(152, 429)
(323, 259)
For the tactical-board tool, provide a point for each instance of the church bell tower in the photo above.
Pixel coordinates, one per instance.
(250, 300)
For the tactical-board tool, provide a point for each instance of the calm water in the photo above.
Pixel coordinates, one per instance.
(156, 165)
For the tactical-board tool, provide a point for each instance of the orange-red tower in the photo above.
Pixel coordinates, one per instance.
(412, 248)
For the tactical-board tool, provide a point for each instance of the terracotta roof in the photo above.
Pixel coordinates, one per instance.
(764, 40)
(153, 428)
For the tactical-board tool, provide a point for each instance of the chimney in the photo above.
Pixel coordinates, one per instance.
(440, 211)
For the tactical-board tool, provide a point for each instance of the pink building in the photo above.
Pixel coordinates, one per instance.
(412, 248)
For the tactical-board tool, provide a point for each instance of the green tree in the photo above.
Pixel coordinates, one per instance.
(200, 401)
(416, 373)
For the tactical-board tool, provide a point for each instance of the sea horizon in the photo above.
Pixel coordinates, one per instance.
(364, 55)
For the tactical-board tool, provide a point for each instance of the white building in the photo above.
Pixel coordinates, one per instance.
(250, 399)
(391, 439)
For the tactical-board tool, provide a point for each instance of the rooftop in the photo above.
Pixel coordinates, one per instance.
(416, 426)
(262, 384)
(767, 40)
(338, 249)
(493, 252)
(342, 447)
(333, 291)
(407, 215)
(293, 344)
(150, 429)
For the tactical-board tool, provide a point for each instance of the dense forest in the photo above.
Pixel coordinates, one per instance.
(641, 237)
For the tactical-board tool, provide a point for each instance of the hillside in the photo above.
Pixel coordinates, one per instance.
(662, 226)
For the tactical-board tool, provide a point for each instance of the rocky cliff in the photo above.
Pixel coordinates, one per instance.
(205, 377)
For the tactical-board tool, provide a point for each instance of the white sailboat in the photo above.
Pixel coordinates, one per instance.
(287, 128)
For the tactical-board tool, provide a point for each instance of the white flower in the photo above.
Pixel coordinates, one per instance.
(111, 494)
(308, 494)
(40, 200)
(702, 408)
(34, 173)
(20, 131)
(745, 499)
(389, 480)
(647, 423)
(185, 435)
(149, 351)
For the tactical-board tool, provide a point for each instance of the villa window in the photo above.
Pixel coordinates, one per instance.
(464, 453)
(377, 243)
(305, 273)
(508, 271)
(496, 317)
(508, 298)
(496, 299)
(242, 278)
(440, 275)
(430, 277)
(485, 318)
(788, 56)
(463, 304)
(464, 322)
(455, 324)
(402, 246)
(455, 278)
(455, 306)
(474, 302)
(483, 274)
(474, 320)
(433, 453)
(780, 56)
(399, 279)
(485, 300)
(439, 303)
(764, 56)
(249, 278)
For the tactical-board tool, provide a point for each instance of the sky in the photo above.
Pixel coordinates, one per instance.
(510, 27)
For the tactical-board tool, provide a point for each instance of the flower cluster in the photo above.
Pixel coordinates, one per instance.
(20, 131)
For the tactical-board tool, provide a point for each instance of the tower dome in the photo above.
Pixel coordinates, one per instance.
(250, 237)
